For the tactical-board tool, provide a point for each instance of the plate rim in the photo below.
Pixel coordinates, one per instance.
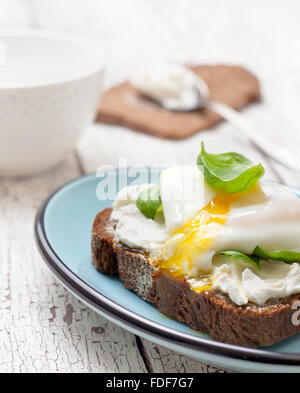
(98, 301)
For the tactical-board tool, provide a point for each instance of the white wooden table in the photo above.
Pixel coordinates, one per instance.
(43, 327)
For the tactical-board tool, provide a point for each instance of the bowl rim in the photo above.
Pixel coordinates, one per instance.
(97, 66)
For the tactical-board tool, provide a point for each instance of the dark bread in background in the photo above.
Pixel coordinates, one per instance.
(124, 105)
(211, 312)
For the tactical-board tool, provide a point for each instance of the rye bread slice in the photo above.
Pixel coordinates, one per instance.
(124, 105)
(211, 312)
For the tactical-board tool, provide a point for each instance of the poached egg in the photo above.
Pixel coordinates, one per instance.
(200, 220)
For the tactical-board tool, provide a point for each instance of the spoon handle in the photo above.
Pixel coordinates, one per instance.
(279, 149)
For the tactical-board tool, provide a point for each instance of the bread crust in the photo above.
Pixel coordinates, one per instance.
(211, 312)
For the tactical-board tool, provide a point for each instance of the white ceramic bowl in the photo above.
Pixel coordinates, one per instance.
(50, 86)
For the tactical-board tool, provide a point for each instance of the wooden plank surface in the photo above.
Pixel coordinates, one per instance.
(162, 360)
(43, 328)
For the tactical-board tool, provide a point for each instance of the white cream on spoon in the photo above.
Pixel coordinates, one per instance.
(170, 84)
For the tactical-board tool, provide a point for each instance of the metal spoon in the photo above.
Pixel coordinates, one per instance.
(277, 148)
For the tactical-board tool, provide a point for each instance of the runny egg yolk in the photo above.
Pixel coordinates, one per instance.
(195, 237)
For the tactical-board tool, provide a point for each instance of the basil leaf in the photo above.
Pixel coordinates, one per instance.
(149, 201)
(230, 172)
(241, 256)
(258, 254)
(159, 214)
(284, 256)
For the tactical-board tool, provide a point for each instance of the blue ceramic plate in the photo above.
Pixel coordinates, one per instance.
(63, 234)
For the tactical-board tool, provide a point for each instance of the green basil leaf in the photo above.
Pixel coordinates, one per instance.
(241, 256)
(149, 201)
(258, 254)
(230, 172)
(284, 256)
(159, 214)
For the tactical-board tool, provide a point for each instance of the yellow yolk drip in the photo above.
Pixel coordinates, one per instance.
(196, 237)
(205, 285)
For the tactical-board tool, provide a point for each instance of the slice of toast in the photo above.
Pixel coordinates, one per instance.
(124, 105)
(211, 312)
